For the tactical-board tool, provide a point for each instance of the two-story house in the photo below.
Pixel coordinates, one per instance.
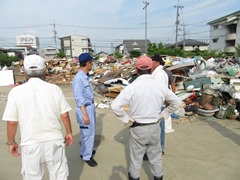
(48, 53)
(131, 45)
(225, 33)
(75, 45)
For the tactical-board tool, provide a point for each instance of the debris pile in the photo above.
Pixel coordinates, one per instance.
(207, 87)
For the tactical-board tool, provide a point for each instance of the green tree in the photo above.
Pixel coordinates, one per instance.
(7, 60)
(197, 51)
(118, 54)
(160, 49)
(134, 53)
(237, 50)
(61, 54)
(96, 57)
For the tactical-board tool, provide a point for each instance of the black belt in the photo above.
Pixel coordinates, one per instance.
(89, 103)
(135, 124)
(83, 127)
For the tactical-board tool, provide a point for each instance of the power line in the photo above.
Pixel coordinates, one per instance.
(19, 27)
(201, 8)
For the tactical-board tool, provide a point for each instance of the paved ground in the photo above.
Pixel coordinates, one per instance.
(200, 149)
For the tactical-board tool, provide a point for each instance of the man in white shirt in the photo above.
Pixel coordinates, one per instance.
(145, 98)
(162, 78)
(39, 108)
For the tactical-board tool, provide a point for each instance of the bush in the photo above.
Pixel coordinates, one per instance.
(7, 60)
(61, 54)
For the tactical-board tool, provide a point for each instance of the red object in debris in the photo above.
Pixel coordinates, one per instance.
(126, 62)
(193, 96)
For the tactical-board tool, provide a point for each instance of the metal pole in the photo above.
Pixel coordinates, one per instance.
(55, 35)
(177, 23)
(145, 7)
(184, 38)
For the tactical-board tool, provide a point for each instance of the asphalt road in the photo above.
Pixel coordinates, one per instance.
(199, 149)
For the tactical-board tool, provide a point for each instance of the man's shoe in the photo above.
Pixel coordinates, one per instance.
(93, 153)
(158, 178)
(91, 162)
(145, 158)
(163, 152)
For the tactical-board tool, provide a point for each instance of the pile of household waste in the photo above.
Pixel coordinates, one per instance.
(207, 87)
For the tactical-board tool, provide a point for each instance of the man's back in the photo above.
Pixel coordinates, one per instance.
(160, 75)
(145, 98)
(37, 106)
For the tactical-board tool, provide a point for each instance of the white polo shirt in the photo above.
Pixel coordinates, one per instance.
(160, 75)
(145, 98)
(37, 106)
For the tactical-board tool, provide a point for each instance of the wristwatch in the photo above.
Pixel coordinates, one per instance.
(11, 143)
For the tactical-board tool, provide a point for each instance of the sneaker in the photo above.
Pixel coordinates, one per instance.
(91, 162)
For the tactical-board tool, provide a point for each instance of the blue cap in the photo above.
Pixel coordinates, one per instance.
(85, 57)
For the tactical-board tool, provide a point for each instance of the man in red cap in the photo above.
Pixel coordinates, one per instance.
(145, 98)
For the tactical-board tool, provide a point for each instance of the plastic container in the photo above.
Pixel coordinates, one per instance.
(204, 112)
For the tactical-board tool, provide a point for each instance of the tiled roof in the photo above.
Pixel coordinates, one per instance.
(225, 18)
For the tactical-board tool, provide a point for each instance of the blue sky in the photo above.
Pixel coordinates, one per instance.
(108, 22)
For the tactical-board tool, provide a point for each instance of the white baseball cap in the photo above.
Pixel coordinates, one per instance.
(34, 62)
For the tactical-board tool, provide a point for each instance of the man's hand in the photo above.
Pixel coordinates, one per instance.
(69, 139)
(13, 149)
(86, 119)
(129, 123)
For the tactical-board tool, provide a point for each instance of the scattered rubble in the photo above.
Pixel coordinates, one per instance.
(207, 87)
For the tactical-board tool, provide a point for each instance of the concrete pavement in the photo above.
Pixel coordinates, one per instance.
(199, 149)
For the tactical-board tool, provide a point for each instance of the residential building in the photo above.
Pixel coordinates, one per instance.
(74, 45)
(225, 33)
(191, 45)
(11, 52)
(130, 45)
(120, 48)
(102, 56)
(48, 53)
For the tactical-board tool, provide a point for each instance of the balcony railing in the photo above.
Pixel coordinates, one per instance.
(231, 36)
(230, 49)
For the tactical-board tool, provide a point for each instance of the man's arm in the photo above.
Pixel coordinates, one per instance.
(67, 123)
(117, 105)
(173, 101)
(85, 115)
(11, 133)
(173, 87)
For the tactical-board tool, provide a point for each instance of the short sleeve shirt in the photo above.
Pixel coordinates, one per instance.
(37, 106)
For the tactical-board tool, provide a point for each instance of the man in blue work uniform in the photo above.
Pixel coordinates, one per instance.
(85, 108)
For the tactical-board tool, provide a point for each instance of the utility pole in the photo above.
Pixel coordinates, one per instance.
(177, 23)
(145, 7)
(184, 36)
(55, 35)
(112, 47)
